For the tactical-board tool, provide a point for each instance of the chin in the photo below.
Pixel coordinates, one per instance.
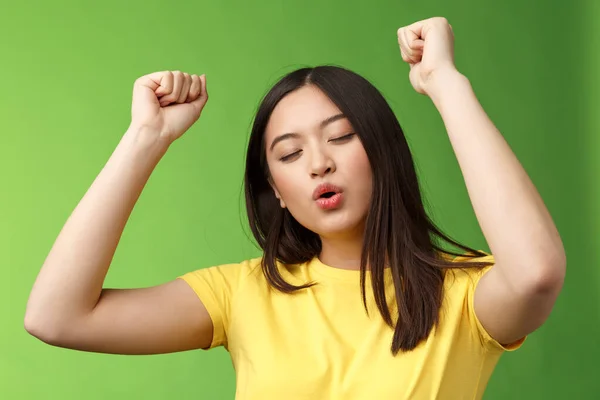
(338, 227)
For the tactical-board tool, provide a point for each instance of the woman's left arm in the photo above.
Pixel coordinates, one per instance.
(517, 295)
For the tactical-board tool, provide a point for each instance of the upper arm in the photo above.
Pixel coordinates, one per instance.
(161, 319)
(509, 311)
(191, 312)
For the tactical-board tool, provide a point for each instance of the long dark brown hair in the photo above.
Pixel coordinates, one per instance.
(398, 231)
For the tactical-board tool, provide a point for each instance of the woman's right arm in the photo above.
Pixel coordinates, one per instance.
(68, 306)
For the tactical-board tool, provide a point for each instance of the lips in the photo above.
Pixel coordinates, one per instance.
(325, 190)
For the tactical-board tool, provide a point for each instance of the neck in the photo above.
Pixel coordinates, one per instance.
(342, 252)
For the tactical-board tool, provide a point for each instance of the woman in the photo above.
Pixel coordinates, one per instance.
(354, 296)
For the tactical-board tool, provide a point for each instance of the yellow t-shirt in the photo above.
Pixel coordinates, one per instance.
(320, 343)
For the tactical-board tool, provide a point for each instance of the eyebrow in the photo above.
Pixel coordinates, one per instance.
(294, 135)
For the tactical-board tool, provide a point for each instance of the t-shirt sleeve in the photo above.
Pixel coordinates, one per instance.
(216, 287)
(483, 335)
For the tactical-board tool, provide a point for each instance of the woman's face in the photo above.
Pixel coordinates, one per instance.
(310, 143)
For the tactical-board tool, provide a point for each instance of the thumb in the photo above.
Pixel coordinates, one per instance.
(144, 88)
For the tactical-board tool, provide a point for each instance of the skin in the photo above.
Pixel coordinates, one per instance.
(517, 295)
(69, 307)
(333, 154)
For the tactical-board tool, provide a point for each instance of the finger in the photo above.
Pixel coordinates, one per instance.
(178, 79)
(401, 38)
(411, 44)
(175, 92)
(404, 51)
(185, 89)
(417, 45)
(203, 91)
(195, 88)
(416, 55)
(414, 44)
(406, 42)
(411, 55)
(203, 98)
(403, 41)
(415, 31)
(164, 82)
(147, 88)
(405, 58)
(415, 59)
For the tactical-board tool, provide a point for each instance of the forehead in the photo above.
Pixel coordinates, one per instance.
(300, 111)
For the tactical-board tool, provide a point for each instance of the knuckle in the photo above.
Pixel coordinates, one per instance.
(168, 78)
(441, 20)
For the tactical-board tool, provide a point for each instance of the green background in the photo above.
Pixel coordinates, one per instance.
(67, 69)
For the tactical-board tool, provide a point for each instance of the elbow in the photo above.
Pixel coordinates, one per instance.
(41, 328)
(34, 327)
(549, 277)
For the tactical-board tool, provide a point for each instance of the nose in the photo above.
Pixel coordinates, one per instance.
(321, 164)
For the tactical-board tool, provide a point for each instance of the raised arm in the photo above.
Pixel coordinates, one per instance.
(68, 306)
(516, 296)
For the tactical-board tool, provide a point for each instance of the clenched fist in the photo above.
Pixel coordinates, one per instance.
(428, 47)
(167, 103)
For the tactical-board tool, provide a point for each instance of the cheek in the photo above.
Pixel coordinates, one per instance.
(359, 165)
(287, 184)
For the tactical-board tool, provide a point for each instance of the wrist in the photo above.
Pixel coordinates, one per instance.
(443, 82)
(145, 142)
(147, 138)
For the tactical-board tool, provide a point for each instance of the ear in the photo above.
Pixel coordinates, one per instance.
(281, 202)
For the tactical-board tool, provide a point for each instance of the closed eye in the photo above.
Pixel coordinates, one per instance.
(290, 156)
(343, 138)
(340, 139)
